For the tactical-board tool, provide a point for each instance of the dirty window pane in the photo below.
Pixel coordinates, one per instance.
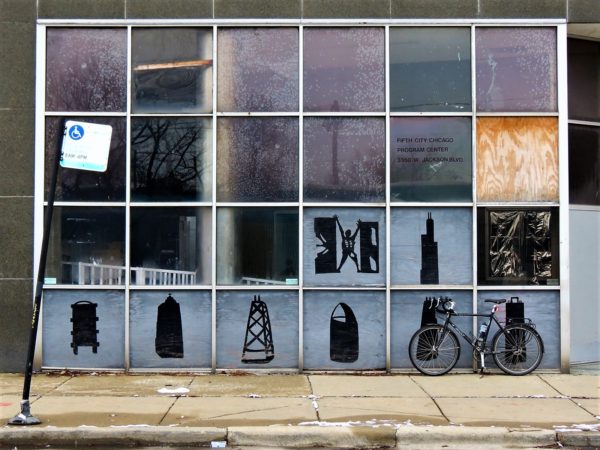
(516, 69)
(258, 69)
(430, 69)
(87, 246)
(171, 159)
(170, 246)
(430, 159)
(344, 159)
(584, 79)
(584, 165)
(344, 69)
(86, 69)
(85, 185)
(257, 159)
(171, 70)
(257, 246)
(518, 246)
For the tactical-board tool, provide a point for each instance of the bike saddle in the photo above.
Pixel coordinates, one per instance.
(498, 301)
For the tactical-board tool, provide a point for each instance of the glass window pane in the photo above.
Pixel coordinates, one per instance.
(172, 70)
(171, 159)
(85, 185)
(170, 246)
(584, 79)
(86, 69)
(518, 246)
(257, 329)
(431, 246)
(516, 69)
(344, 246)
(344, 69)
(430, 159)
(257, 246)
(258, 69)
(517, 159)
(344, 159)
(430, 69)
(87, 246)
(344, 330)
(584, 165)
(257, 159)
(170, 329)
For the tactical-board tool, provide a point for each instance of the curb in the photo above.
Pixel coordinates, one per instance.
(500, 436)
(579, 439)
(110, 436)
(291, 436)
(311, 436)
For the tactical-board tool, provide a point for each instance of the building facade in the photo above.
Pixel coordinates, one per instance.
(289, 181)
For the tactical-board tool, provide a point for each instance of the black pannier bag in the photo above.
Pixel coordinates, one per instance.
(427, 318)
(515, 313)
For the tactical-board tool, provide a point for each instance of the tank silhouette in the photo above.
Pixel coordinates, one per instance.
(343, 334)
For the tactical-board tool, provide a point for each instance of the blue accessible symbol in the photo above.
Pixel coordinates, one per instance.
(76, 132)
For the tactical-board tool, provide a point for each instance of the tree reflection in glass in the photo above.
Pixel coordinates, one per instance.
(171, 159)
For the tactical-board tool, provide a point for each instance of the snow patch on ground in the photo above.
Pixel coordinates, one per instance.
(174, 391)
(578, 427)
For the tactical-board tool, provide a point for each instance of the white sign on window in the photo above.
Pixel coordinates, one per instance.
(86, 146)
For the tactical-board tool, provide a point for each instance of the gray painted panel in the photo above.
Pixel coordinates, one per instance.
(195, 310)
(406, 308)
(585, 285)
(15, 323)
(541, 307)
(369, 310)
(57, 328)
(348, 274)
(453, 234)
(232, 318)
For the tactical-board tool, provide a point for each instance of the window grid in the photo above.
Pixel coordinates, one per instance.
(300, 204)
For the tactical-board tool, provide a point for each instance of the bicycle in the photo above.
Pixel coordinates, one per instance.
(516, 348)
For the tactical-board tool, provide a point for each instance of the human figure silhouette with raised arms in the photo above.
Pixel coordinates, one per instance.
(348, 242)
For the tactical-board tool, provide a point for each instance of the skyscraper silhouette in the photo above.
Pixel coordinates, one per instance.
(429, 255)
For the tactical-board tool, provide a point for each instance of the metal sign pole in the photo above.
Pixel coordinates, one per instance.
(25, 417)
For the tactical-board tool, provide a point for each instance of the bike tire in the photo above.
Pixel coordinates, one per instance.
(424, 356)
(518, 349)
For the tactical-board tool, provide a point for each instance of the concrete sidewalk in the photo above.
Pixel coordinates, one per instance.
(305, 410)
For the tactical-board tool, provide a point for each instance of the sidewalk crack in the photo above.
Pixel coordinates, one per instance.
(312, 397)
(432, 399)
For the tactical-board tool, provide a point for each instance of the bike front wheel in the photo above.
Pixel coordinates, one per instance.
(432, 352)
(518, 349)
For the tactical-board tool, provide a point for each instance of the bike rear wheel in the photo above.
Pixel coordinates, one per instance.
(518, 349)
(430, 353)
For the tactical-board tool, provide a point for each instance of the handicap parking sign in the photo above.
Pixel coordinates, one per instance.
(85, 146)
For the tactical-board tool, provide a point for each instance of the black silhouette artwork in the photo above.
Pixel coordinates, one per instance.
(84, 318)
(343, 334)
(428, 317)
(515, 313)
(169, 335)
(258, 343)
(429, 255)
(326, 260)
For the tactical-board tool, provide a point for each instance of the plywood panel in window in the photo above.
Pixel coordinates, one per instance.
(517, 159)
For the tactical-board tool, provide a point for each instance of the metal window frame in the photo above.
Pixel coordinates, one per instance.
(388, 204)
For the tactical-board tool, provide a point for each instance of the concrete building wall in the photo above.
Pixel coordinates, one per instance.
(17, 99)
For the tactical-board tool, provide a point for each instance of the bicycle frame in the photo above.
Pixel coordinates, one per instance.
(473, 341)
